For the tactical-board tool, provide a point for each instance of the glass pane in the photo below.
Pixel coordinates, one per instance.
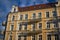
(47, 14)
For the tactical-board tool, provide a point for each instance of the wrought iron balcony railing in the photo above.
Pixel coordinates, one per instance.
(32, 20)
(55, 18)
(26, 32)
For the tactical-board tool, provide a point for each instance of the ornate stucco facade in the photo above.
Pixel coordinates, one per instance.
(38, 22)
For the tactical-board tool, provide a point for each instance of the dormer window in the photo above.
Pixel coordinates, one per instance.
(14, 10)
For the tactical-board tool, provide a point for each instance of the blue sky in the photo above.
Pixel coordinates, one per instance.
(6, 5)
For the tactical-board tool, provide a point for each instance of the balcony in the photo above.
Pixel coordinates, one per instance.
(31, 20)
(25, 32)
(54, 19)
(53, 30)
(28, 32)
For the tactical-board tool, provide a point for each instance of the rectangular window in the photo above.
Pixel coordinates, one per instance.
(48, 25)
(25, 37)
(33, 37)
(47, 14)
(26, 16)
(25, 27)
(55, 25)
(54, 13)
(19, 37)
(10, 38)
(34, 16)
(21, 17)
(40, 25)
(39, 15)
(13, 18)
(40, 37)
(12, 26)
(48, 37)
(56, 37)
(20, 26)
(33, 27)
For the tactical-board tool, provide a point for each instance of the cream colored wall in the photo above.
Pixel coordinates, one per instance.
(17, 21)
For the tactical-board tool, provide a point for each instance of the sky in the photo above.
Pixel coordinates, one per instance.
(6, 5)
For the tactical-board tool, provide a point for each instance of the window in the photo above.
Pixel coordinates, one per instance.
(21, 17)
(25, 38)
(33, 27)
(56, 37)
(48, 25)
(13, 18)
(12, 26)
(40, 37)
(55, 25)
(19, 37)
(34, 16)
(25, 27)
(54, 14)
(40, 25)
(33, 37)
(48, 37)
(14, 9)
(26, 16)
(20, 26)
(39, 15)
(10, 38)
(47, 14)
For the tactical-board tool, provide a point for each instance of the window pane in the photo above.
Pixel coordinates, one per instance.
(48, 37)
(10, 38)
(33, 27)
(47, 14)
(13, 18)
(25, 27)
(55, 25)
(54, 14)
(39, 15)
(20, 26)
(25, 38)
(48, 25)
(40, 37)
(12, 27)
(34, 16)
(21, 17)
(40, 25)
(56, 37)
(26, 16)
(33, 37)
(19, 37)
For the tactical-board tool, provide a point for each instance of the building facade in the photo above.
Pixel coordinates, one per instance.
(38, 22)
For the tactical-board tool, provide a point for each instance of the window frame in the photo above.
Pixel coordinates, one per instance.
(34, 16)
(26, 16)
(19, 37)
(48, 37)
(40, 37)
(13, 18)
(48, 25)
(12, 27)
(47, 15)
(10, 38)
(39, 15)
(39, 25)
(21, 17)
(33, 37)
